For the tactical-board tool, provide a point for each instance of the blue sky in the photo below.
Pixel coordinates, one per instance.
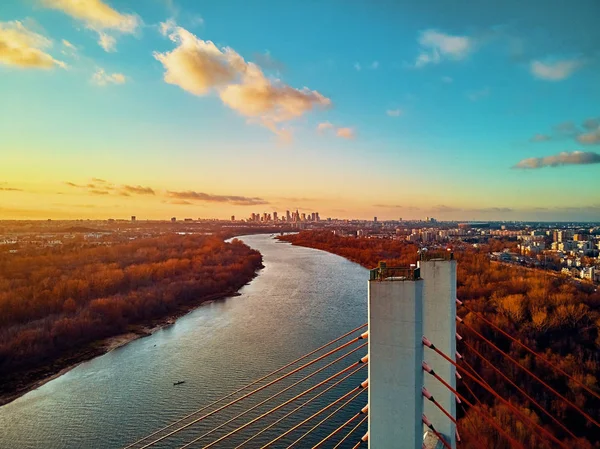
(410, 110)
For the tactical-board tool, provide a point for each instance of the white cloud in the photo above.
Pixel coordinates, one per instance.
(554, 71)
(357, 66)
(97, 16)
(447, 79)
(394, 112)
(345, 133)
(101, 78)
(24, 48)
(437, 46)
(564, 158)
(108, 43)
(167, 26)
(375, 65)
(200, 67)
(68, 44)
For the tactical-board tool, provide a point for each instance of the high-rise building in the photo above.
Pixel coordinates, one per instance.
(375, 219)
(274, 216)
(288, 217)
(303, 216)
(133, 218)
(233, 218)
(318, 218)
(173, 219)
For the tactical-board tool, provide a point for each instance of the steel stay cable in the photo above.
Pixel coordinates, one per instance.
(514, 443)
(442, 409)
(528, 371)
(348, 368)
(351, 431)
(440, 437)
(302, 405)
(491, 390)
(474, 431)
(295, 370)
(247, 386)
(357, 444)
(311, 417)
(320, 443)
(274, 396)
(360, 391)
(536, 354)
(533, 401)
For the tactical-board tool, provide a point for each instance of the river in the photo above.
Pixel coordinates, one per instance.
(302, 299)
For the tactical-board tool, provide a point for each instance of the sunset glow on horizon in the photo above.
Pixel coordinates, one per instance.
(113, 108)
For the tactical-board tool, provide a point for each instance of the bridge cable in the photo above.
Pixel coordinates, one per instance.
(320, 443)
(295, 370)
(523, 392)
(246, 386)
(351, 431)
(491, 390)
(287, 432)
(302, 405)
(528, 371)
(513, 442)
(531, 351)
(277, 394)
(309, 431)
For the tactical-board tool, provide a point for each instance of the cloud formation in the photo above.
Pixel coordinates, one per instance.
(564, 158)
(590, 138)
(138, 190)
(207, 197)
(587, 134)
(394, 112)
(554, 71)
(345, 133)
(23, 48)
(437, 46)
(101, 78)
(97, 16)
(200, 67)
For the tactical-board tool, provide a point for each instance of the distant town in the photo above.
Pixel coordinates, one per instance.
(563, 249)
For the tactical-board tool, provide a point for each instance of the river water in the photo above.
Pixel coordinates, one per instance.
(302, 299)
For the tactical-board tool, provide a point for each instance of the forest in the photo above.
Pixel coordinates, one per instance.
(551, 315)
(58, 300)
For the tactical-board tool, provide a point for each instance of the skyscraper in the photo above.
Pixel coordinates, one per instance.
(274, 216)
(288, 217)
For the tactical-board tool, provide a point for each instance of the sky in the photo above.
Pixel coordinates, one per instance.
(484, 110)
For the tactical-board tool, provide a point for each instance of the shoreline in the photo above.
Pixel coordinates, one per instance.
(37, 377)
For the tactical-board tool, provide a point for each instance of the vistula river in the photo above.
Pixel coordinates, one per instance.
(302, 299)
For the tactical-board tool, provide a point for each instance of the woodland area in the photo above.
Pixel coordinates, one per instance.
(553, 316)
(59, 300)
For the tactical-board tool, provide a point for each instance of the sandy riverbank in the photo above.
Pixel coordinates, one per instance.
(23, 382)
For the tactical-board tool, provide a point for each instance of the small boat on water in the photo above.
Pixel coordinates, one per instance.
(179, 382)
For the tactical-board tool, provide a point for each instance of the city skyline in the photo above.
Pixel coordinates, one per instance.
(170, 108)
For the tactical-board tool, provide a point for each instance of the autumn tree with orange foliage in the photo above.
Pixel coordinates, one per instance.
(551, 315)
(62, 299)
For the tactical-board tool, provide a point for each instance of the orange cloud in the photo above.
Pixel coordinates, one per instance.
(21, 47)
(210, 198)
(97, 16)
(199, 67)
(345, 133)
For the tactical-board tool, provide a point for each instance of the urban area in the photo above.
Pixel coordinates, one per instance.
(562, 249)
